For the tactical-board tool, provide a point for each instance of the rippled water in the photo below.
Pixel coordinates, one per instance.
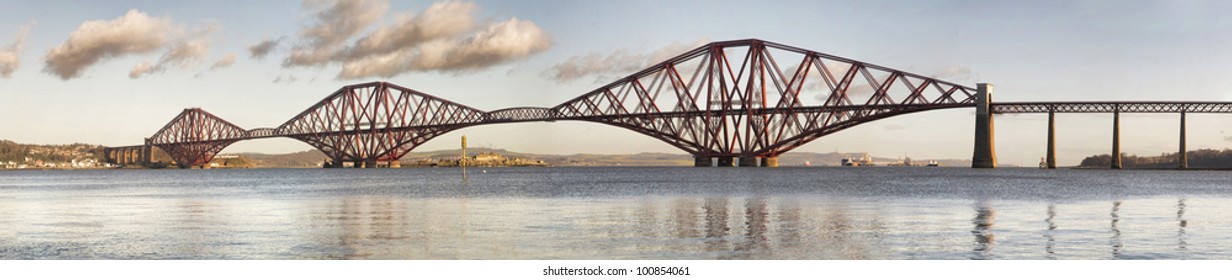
(616, 213)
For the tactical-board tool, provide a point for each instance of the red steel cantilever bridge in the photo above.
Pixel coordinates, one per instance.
(739, 102)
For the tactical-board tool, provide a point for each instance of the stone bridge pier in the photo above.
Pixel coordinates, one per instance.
(741, 161)
(128, 155)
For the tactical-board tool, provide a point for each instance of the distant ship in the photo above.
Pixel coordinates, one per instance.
(849, 162)
(864, 161)
(933, 163)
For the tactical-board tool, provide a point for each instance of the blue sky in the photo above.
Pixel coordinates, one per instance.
(1031, 50)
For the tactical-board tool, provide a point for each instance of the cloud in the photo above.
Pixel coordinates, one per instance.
(263, 48)
(285, 78)
(134, 33)
(10, 59)
(673, 50)
(334, 26)
(499, 43)
(955, 74)
(181, 54)
(226, 61)
(384, 65)
(445, 37)
(186, 52)
(590, 64)
(618, 63)
(441, 20)
(141, 69)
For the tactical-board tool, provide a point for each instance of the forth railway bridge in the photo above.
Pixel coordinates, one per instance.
(730, 103)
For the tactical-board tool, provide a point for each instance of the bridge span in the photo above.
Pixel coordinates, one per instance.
(728, 103)
(985, 153)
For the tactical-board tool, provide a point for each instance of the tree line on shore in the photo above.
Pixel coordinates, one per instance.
(1198, 159)
(16, 152)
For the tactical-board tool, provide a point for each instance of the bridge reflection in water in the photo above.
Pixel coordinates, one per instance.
(690, 227)
(985, 238)
(695, 228)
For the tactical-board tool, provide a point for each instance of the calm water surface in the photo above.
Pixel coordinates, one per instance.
(616, 213)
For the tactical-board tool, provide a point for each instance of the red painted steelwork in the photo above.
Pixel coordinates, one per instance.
(376, 122)
(729, 98)
(734, 98)
(195, 136)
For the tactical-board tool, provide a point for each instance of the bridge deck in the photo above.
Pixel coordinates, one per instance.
(546, 114)
(1112, 107)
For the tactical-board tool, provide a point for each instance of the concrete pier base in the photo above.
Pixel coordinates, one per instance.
(703, 162)
(748, 162)
(985, 154)
(147, 153)
(1116, 139)
(395, 164)
(770, 162)
(370, 163)
(334, 163)
(1050, 159)
(726, 162)
(1182, 154)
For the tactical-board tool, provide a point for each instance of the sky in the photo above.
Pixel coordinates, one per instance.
(114, 72)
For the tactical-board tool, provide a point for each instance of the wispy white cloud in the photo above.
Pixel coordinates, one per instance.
(619, 62)
(263, 48)
(224, 62)
(141, 69)
(10, 59)
(181, 54)
(955, 74)
(285, 79)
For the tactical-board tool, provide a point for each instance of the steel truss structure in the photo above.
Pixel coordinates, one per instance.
(745, 98)
(373, 122)
(752, 98)
(195, 136)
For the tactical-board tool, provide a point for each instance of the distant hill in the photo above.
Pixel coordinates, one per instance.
(310, 158)
(835, 159)
(314, 158)
(1199, 159)
(19, 153)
